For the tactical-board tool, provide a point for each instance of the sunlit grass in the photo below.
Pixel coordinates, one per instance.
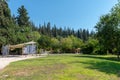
(64, 67)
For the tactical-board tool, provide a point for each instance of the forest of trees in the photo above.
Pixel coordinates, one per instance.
(15, 29)
(54, 31)
(19, 29)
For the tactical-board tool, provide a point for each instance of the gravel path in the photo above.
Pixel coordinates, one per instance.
(4, 61)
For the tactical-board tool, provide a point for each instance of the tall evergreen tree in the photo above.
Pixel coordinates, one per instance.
(23, 18)
(54, 31)
(5, 16)
(48, 29)
(7, 27)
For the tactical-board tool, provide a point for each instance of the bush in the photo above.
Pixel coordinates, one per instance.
(90, 46)
(44, 42)
(87, 49)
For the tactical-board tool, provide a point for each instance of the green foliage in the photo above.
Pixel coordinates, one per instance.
(55, 45)
(90, 47)
(10, 33)
(15, 30)
(44, 42)
(21, 38)
(76, 42)
(22, 18)
(54, 31)
(24, 34)
(35, 35)
(5, 15)
(66, 44)
(7, 27)
(70, 43)
(108, 30)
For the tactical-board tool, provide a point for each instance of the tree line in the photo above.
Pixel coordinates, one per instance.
(19, 29)
(55, 31)
(15, 29)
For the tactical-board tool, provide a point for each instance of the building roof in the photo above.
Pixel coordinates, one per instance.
(12, 47)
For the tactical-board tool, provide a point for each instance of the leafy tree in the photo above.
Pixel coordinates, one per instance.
(115, 14)
(105, 31)
(21, 37)
(90, 47)
(76, 42)
(108, 29)
(35, 35)
(66, 44)
(55, 44)
(44, 42)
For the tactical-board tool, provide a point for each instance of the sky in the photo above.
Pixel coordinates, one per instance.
(75, 14)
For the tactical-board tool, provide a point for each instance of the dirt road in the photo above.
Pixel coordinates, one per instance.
(4, 61)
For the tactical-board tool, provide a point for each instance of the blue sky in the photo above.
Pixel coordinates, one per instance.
(70, 13)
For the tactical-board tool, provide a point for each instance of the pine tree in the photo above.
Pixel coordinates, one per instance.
(7, 26)
(22, 18)
(54, 31)
(5, 16)
(48, 30)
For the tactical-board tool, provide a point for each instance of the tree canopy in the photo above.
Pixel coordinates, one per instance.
(108, 29)
(19, 29)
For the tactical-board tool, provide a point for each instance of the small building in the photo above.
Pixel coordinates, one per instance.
(26, 48)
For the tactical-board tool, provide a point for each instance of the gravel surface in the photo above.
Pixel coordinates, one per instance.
(4, 61)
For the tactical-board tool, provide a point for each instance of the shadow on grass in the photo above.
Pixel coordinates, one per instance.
(103, 64)
(106, 67)
(100, 57)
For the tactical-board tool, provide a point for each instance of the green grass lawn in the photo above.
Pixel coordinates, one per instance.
(64, 67)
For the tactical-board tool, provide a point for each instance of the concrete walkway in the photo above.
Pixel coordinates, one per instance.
(4, 61)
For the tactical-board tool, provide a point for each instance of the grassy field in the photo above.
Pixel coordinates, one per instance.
(64, 67)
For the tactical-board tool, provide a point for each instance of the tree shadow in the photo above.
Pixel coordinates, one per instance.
(106, 65)
(100, 57)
